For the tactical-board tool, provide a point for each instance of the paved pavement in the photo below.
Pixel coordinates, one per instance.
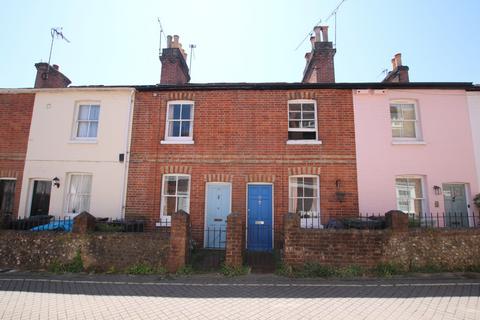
(44, 296)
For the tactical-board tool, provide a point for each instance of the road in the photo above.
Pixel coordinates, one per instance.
(46, 296)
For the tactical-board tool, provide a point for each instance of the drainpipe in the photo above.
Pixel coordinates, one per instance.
(128, 135)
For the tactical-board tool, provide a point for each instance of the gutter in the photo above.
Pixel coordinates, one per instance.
(128, 135)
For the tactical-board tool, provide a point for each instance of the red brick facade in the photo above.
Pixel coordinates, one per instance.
(240, 137)
(15, 116)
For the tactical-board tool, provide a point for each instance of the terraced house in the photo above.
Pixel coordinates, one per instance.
(260, 149)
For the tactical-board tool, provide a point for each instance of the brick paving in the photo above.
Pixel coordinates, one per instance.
(43, 296)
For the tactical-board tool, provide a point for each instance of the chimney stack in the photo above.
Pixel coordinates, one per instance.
(399, 72)
(320, 67)
(50, 76)
(174, 63)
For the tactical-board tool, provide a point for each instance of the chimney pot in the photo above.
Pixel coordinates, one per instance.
(169, 41)
(317, 31)
(398, 59)
(324, 30)
(56, 67)
(312, 41)
(394, 64)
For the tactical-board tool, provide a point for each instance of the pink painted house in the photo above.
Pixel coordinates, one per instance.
(415, 150)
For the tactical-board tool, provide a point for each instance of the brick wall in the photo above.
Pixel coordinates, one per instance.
(448, 249)
(101, 252)
(240, 136)
(15, 116)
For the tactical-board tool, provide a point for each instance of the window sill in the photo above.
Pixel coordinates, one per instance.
(177, 142)
(76, 141)
(314, 142)
(404, 142)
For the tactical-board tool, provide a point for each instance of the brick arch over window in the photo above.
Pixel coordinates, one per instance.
(218, 177)
(301, 95)
(181, 96)
(176, 169)
(303, 170)
(260, 178)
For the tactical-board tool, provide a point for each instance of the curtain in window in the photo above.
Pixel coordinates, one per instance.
(79, 193)
(7, 194)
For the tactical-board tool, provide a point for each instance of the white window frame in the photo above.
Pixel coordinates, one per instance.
(78, 104)
(307, 222)
(67, 192)
(418, 133)
(179, 140)
(424, 195)
(163, 217)
(315, 112)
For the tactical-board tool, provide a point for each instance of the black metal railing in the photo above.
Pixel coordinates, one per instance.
(37, 223)
(377, 221)
(210, 237)
(455, 220)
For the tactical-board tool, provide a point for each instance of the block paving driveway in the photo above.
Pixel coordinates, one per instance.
(45, 296)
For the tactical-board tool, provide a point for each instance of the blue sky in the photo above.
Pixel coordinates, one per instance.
(116, 42)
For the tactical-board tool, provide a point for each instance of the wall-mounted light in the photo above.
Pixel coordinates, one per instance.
(437, 190)
(56, 182)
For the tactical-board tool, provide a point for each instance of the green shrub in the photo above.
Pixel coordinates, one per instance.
(387, 269)
(140, 269)
(230, 271)
(107, 227)
(314, 270)
(74, 266)
(186, 270)
(284, 270)
(350, 272)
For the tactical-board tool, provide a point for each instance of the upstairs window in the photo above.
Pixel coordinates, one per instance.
(179, 126)
(87, 121)
(404, 120)
(302, 120)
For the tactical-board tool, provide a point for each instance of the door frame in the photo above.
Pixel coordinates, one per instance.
(31, 183)
(229, 184)
(466, 188)
(273, 211)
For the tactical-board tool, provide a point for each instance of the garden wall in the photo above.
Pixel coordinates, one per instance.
(445, 249)
(99, 251)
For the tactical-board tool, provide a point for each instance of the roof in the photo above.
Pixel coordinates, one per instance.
(468, 86)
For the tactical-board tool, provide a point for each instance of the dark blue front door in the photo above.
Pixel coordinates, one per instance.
(259, 222)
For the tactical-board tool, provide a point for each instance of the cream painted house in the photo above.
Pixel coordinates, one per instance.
(77, 157)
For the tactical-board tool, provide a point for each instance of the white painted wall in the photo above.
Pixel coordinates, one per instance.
(473, 99)
(445, 157)
(52, 152)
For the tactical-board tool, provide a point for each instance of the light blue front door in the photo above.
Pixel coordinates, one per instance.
(217, 210)
(456, 210)
(259, 222)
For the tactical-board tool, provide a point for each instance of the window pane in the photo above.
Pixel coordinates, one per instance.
(94, 112)
(394, 112)
(183, 186)
(308, 205)
(183, 204)
(185, 129)
(295, 115)
(170, 186)
(83, 112)
(85, 184)
(299, 186)
(294, 107)
(408, 112)
(176, 111)
(294, 124)
(186, 111)
(308, 107)
(92, 132)
(310, 187)
(292, 205)
(308, 115)
(82, 130)
(7, 194)
(409, 129)
(300, 205)
(417, 184)
(308, 124)
(174, 129)
(396, 129)
(169, 205)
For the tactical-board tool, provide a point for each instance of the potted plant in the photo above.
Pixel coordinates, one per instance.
(476, 200)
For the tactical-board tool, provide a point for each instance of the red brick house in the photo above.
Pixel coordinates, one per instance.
(260, 149)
